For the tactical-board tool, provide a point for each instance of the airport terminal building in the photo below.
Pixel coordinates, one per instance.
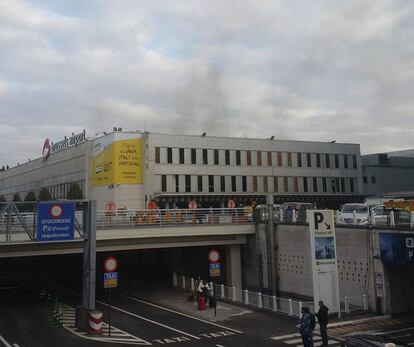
(127, 170)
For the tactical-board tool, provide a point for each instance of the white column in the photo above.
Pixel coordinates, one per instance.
(233, 266)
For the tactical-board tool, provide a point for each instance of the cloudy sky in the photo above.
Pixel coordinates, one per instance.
(301, 70)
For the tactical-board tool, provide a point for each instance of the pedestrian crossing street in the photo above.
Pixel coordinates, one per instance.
(117, 335)
(295, 340)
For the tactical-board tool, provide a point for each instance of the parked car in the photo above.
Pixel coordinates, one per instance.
(346, 214)
(371, 340)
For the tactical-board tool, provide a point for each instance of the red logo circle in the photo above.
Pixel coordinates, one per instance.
(46, 150)
(56, 211)
(214, 256)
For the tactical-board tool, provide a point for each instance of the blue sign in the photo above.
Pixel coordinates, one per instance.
(110, 279)
(215, 269)
(55, 221)
(397, 248)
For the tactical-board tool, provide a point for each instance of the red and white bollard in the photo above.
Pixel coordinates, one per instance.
(95, 322)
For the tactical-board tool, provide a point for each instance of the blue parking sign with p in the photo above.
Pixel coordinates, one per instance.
(55, 221)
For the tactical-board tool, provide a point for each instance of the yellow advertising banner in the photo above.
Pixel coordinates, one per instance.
(119, 163)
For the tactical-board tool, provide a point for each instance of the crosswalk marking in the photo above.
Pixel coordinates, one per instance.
(294, 339)
(117, 335)
(291, 342)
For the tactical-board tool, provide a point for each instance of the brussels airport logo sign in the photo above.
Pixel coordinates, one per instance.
(74, 140)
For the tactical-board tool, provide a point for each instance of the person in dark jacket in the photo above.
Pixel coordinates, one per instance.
(307, 324)
(323, 322)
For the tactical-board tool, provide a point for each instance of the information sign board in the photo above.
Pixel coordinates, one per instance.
(110, 279)
(215, 269)
(55, 221)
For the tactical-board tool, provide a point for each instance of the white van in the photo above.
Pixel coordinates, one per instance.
(346, 214)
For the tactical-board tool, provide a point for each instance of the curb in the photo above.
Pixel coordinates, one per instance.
(358, 321)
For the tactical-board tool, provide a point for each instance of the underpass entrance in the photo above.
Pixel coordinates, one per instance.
(402, 288)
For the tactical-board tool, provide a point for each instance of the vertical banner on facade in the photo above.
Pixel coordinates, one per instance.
(324, 259)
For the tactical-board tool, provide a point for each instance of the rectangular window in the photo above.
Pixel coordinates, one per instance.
(169, 155)
(327, 160)
(205, 159)
(200, 183)
(227, 155)
(216, 157)
(181, 155)
(238, 160)
(177, 183)
(286, 184)
(315, 184)
(279, 159)
(351, 185)
(305, 184)
(343, 185)
(211, 183)
(157, 155)
(249, 158)
(354, 161)
(265, 186)
(244, 183)
(269, 158)
(259, 158)
(338, 188)
(275, 184)
(345, 161)
(299, 159)
(222, 184)
(308, 159)
(193, 156)
(233, 183)
(373, 179)
(365, 179)
(255, 183)
(295, 184)
(336, 161)
(324, 184)
(187, 183)
(163, 183)
(289, 157)
(318, 160)
(333, 185)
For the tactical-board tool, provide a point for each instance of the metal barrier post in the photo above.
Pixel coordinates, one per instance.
(281, 215)
(307, 217)
(183, 282)
(175, 282)
(290, 307)
(246, 297)
(373, 220)
(211, 288)
(364, 298)
(274, 303)
(259, 300)
(392, 219)
(192, 284)
(234, 293)
(222, 291)
(412, 219)
(293, 216)
(354, 217)
(346, 304)
(300, 309)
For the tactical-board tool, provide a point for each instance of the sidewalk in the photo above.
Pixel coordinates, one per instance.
(176, 299)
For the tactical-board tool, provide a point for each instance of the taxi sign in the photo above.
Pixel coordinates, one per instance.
(110, 279)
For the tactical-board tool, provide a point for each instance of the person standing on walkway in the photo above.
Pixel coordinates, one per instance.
(323, 322)
(307, 324)
(204, 289)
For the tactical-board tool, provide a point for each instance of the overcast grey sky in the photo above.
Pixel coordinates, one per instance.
(301, 70)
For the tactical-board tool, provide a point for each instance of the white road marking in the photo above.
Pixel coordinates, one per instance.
(149, 320)
(397, 331)
(276, 338)
(291, 342)
(5, 342)
(399, 336)
(180, 313)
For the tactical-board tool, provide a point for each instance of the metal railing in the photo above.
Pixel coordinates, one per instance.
(166, 217)
(249, 298)
(354, 303)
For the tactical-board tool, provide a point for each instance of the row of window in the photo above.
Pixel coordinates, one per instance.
(169, 155)
(254, 184)
(365, 179)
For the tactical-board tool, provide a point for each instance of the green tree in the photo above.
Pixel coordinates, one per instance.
(75, 192)
(44, 195)
(16, 197)
(30, 196)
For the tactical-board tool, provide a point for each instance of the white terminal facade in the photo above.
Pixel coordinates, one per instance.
(127, 170)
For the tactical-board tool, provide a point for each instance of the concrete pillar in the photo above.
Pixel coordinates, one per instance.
(233, 266)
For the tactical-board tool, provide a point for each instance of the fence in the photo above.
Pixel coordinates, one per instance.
(266, 302)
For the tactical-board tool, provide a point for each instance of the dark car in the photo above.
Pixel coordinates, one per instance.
(369, 340)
